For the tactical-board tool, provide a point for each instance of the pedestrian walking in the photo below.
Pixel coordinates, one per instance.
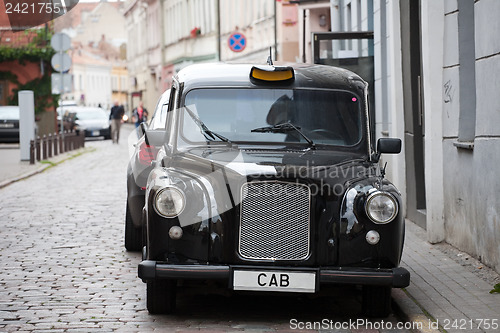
(116, 116)
(140, 114)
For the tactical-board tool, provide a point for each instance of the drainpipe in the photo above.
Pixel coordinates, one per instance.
(162, 35)
(335, 16)
(217, 15)
(335, 23)
(275, 32)
(304, 35)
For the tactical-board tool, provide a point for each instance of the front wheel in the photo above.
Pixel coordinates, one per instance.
(133, 235)
(376, 301)
(161, 296)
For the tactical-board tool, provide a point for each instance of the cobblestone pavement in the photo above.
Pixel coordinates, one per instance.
(63, 267)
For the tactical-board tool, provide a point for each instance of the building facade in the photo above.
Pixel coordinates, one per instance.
(183, 32)
(460, 62)
(98, 37)
(144, 55)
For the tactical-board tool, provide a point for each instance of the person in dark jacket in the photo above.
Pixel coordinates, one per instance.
(116, 117)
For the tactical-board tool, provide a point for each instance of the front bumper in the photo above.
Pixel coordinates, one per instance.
(398, 277)
(96, 132)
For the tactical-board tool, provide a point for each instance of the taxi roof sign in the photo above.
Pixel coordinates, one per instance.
(272, 73)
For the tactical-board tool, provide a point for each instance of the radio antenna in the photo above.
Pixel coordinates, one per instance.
(270, 59)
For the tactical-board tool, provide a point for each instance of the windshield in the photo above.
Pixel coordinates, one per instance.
(328, 117)
(91, 114)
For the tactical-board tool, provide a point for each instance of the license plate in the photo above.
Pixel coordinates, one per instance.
(284, 281)
(96, 133)
(8, 125)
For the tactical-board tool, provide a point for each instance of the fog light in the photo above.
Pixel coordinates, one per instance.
(372, 237)
(175, 232)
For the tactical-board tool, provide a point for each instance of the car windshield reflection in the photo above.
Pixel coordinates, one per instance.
(236, 113)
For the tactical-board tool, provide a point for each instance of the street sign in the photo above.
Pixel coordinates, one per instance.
(237, 42)
(60, 42)
(61, 62)
(61, 81)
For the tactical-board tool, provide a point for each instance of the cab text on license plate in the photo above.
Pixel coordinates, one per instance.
(285, 281)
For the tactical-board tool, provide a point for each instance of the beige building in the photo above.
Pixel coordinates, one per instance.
(98, 38)
(143, 22)
(182, 32)
(119, 84)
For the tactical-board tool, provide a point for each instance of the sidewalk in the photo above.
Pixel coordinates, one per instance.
(455, 296)
(449, 290)
(12, 169)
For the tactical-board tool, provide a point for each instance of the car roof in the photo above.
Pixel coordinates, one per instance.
(7, 107)
(238, 75)
(10, 112)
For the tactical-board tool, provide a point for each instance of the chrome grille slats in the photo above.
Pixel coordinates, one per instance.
(275, 221)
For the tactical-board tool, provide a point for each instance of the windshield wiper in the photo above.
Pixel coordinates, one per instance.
(284, 128)
(206, 131)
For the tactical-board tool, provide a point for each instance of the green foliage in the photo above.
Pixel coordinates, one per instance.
(38, 48)
(496, 289)
(42, 88)
(25, 54)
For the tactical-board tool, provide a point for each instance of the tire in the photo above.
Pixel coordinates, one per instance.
(133, 235)
(376, 301)
(161, 296)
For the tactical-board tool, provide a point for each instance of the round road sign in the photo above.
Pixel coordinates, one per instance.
(61, 62)
(237, 42)
(60, 42)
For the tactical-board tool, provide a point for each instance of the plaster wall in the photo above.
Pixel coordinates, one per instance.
(433, 32)
(397, 170)
(472, 203)
(470, 177)
(105, 20)
(388, 85)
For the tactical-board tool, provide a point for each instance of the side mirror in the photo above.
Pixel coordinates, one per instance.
(155, 138)
(388, 146)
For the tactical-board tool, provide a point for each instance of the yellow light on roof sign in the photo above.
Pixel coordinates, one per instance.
(272, 73)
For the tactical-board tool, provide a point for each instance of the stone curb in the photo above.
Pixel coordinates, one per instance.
(46, 164)
(409, 311)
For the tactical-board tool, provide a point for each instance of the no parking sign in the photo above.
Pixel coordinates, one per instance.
(237, 42)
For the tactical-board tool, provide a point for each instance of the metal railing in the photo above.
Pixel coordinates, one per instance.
(51, 145)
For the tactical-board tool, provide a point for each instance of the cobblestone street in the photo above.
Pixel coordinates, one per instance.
(64, 266)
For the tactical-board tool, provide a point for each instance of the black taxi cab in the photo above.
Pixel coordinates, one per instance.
(267, 180)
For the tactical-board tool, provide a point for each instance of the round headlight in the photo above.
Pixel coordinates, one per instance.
(381, 207)
(170, 202)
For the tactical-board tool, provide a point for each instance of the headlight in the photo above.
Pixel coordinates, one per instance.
(381, 207)
(170, 202)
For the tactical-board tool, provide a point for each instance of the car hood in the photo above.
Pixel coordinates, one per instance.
(93, 123)
(329, 166)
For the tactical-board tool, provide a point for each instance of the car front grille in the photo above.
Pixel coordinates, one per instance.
(275, 221)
